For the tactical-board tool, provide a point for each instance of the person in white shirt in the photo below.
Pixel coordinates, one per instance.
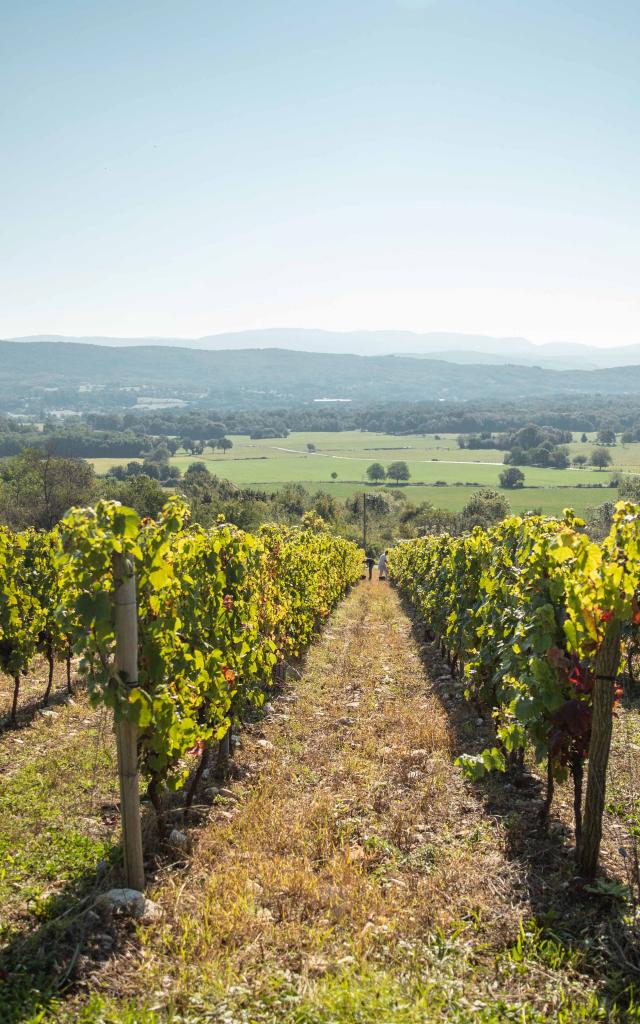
(382, 566)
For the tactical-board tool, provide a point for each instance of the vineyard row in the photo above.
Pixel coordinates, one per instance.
(534, 615)
(218, 612)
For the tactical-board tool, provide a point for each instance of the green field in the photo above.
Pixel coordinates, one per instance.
(270, 463)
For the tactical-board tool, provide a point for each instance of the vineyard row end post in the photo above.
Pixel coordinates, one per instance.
(126, 666)
(606, 670)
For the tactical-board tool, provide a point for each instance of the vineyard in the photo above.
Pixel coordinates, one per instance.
(533, 615)
(349, 851)
(218, 612)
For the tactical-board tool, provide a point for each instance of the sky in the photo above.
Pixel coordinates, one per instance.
(181, 169)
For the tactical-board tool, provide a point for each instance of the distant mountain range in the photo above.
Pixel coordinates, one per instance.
(455, 348)
(271, 377)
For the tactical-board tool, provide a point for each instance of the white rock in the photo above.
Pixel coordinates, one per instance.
(129, 903)
(152, 912)
(126, 901)
(178, 839)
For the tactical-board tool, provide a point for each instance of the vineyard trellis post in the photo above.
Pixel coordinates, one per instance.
(606, 670)
(126, 666)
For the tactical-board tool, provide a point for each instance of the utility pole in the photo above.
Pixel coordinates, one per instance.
(364, 521)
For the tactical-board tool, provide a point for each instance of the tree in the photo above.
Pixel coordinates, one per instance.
(511, 478)
(398, 471)
(601, 457)
(376, 472)
(311, 448)
(225, 444)
(485, 508)
(215, 429)
(159, 453)
(198, 469)
(606, 436)
(629, 488)
(559, 458)
(584, 438)
(334, 475)
(156, 462)
(293, 498)
(144, 494)
(580, 461)
(193, 447)
(38, 488)
(325, 505)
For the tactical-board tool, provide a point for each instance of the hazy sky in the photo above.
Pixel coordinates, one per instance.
(182, 168)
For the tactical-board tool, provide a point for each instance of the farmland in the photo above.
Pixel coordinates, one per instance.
(441, 472)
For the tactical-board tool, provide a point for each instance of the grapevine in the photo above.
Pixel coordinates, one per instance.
(217, 609)
(534, 611)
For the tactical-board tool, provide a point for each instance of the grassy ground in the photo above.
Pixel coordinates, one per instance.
(59, 846)
(270, 463)
(58, 811)
(352, 876)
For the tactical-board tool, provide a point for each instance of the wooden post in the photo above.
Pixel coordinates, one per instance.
(224, 750)
(606, 669)
(126, 665)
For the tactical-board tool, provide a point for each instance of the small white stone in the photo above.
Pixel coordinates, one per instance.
(178, 839)
(152, 912)
(124, 901)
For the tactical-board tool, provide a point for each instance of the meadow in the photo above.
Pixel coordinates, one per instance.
(441, 472)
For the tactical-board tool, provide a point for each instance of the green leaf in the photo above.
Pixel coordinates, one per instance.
(126, 523)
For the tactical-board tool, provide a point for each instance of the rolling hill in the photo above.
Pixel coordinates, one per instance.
(279, 377)
(456, 348)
